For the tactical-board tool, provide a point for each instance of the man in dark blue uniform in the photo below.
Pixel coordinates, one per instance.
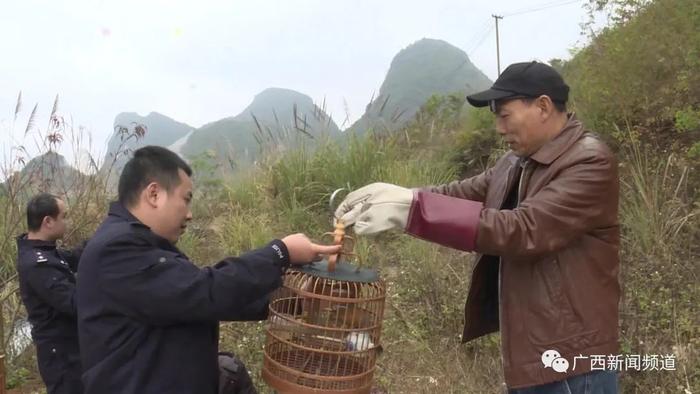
(47, 286)
(147, 316)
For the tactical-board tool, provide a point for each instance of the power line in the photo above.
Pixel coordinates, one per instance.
(479, 32)
(484, 36)
(477, 39)
(485, 30)
(541, 7)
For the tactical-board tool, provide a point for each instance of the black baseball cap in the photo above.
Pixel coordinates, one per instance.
(521, 80)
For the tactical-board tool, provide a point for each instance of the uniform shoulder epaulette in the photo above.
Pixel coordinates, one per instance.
(40, 258)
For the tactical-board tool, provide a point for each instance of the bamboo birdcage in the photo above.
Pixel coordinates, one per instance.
(324, 328)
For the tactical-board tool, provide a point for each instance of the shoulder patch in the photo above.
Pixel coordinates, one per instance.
(40, 257)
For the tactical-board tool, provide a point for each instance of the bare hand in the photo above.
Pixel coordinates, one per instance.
(303, 251)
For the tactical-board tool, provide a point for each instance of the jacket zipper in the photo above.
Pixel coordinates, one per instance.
(520, 181)
(523, 166)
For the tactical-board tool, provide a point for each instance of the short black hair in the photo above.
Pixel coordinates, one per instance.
(150, 164)
(39, 207)
(558, 105)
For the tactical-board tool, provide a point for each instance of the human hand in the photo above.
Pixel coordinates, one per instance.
(302, 251)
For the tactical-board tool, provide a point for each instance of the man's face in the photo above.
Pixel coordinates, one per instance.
(520, 124)
(56, 227)
(173, 209)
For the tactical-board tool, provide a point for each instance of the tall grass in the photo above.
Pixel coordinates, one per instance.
(31, 165)
(427, 284)
(660, 268)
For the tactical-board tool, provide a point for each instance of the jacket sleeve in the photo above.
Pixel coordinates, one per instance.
(256, 310)
(573, 203)
(161, 287)
(473, 188)
(53, 286)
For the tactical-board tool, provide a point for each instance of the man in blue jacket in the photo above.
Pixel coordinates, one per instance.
(147, 316)
(47, 287)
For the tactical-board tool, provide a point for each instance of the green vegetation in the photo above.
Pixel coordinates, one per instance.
(425, 68)
(273, 122)
(642, 71)
(637, 84)
(160, 130)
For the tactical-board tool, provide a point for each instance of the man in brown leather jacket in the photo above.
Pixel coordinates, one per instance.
(544, 220)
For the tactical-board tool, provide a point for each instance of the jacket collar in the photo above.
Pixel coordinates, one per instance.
(22, 240)
(570, 133)
(116, 209)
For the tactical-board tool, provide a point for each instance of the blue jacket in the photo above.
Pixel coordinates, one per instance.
(148, 317)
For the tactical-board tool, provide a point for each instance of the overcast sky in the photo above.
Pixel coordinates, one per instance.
(199, 61)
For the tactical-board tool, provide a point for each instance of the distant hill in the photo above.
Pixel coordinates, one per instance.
(159, 130)
(425, 68)
(49, 172)
(275, 119)
(279, 119)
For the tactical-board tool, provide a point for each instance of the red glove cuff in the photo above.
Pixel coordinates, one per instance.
(448, 221)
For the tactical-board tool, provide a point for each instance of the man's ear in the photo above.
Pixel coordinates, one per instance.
(150, 194)
(546, 106)
(47, 221)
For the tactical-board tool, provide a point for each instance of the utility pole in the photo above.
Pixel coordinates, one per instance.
(498, 48)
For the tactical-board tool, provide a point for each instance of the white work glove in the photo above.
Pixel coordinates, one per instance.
(376, 207)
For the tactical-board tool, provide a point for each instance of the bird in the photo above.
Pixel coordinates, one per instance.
(359, 341)
(337, 312)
